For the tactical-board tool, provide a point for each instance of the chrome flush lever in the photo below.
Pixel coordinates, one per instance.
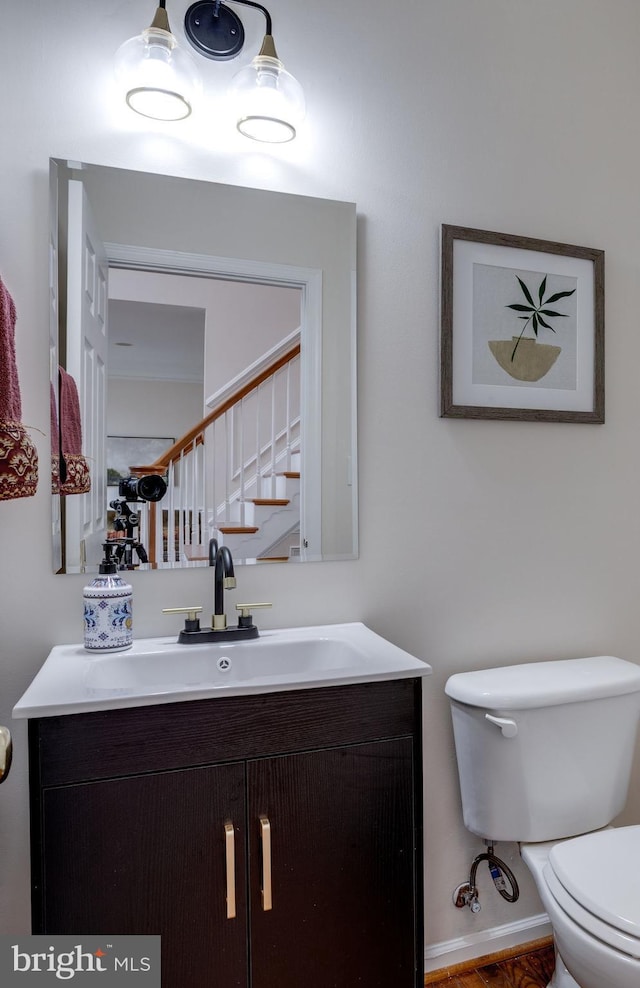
(507, 725)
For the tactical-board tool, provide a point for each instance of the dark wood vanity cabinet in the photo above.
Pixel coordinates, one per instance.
(168, 819)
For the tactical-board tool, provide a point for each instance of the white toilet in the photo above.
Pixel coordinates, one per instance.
(544, 754)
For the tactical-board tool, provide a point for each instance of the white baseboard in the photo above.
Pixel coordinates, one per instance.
(461, 949)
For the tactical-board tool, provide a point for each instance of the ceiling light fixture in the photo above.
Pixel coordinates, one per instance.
(269, 101)
(158, 77)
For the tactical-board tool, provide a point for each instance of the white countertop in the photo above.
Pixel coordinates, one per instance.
(159, 670)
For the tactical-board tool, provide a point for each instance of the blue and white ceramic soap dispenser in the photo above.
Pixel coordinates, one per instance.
(108, 609)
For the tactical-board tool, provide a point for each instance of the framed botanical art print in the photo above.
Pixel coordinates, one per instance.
(522, 328)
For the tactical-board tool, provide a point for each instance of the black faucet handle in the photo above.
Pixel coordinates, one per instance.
(246, 617)
(192, 621)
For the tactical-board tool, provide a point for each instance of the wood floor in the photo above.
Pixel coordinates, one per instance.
(529, 970)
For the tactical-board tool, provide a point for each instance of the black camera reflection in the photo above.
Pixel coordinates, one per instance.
(149, 488)
(127, 542)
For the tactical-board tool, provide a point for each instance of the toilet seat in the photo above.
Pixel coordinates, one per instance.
(592, 879)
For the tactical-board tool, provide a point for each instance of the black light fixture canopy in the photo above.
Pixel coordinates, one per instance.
(214, 30)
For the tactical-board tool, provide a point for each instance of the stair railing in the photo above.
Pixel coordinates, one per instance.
(233, 455)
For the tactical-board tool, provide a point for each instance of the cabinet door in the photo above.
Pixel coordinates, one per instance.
(343, 868)
(148, 854)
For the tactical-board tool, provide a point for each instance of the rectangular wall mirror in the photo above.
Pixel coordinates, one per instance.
(203, 342)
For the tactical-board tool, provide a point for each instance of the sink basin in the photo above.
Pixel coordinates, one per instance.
(223, 665)
(158, 670)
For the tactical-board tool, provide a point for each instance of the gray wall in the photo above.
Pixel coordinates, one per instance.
(481, 542)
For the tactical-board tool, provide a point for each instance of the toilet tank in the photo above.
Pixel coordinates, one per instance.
(544, 749)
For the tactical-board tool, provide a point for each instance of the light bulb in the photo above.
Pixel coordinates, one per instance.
(158, 78)
(269, 101)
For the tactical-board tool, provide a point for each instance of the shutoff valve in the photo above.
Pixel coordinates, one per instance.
(467, 895)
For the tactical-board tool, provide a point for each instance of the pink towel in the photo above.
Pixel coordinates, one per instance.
(18, 455)
(55, 442)
(74, 469)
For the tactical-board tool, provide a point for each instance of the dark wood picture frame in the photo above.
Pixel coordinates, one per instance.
(489, 379)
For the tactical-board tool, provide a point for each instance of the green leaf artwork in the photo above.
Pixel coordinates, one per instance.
(537, 313)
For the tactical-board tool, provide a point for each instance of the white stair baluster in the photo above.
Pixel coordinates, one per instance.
(288, 417)
(171, 534)
(181, 494)
(229, 461)
(168, 553)
(240, 438)
(202, 503)
(273, 436)
(258, 457)
(213, 493)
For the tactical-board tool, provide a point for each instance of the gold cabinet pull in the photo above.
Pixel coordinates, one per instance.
(6, 750)
(230, 856)
(265, 836)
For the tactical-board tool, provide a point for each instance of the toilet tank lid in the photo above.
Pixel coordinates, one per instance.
(536, 684)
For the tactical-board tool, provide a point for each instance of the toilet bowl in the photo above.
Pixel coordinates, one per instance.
(544, 754)
(588, 888)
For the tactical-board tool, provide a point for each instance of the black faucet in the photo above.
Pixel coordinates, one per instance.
(223, 579)
(221, 560)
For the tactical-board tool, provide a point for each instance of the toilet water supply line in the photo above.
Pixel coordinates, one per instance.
(467, 894)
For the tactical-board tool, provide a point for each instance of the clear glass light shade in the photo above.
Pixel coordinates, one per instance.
(269, 102)
(158, 78)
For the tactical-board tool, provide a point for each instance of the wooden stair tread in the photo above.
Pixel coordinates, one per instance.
(238, 529)
(269, 501)
(273, 559)
(291, 474)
